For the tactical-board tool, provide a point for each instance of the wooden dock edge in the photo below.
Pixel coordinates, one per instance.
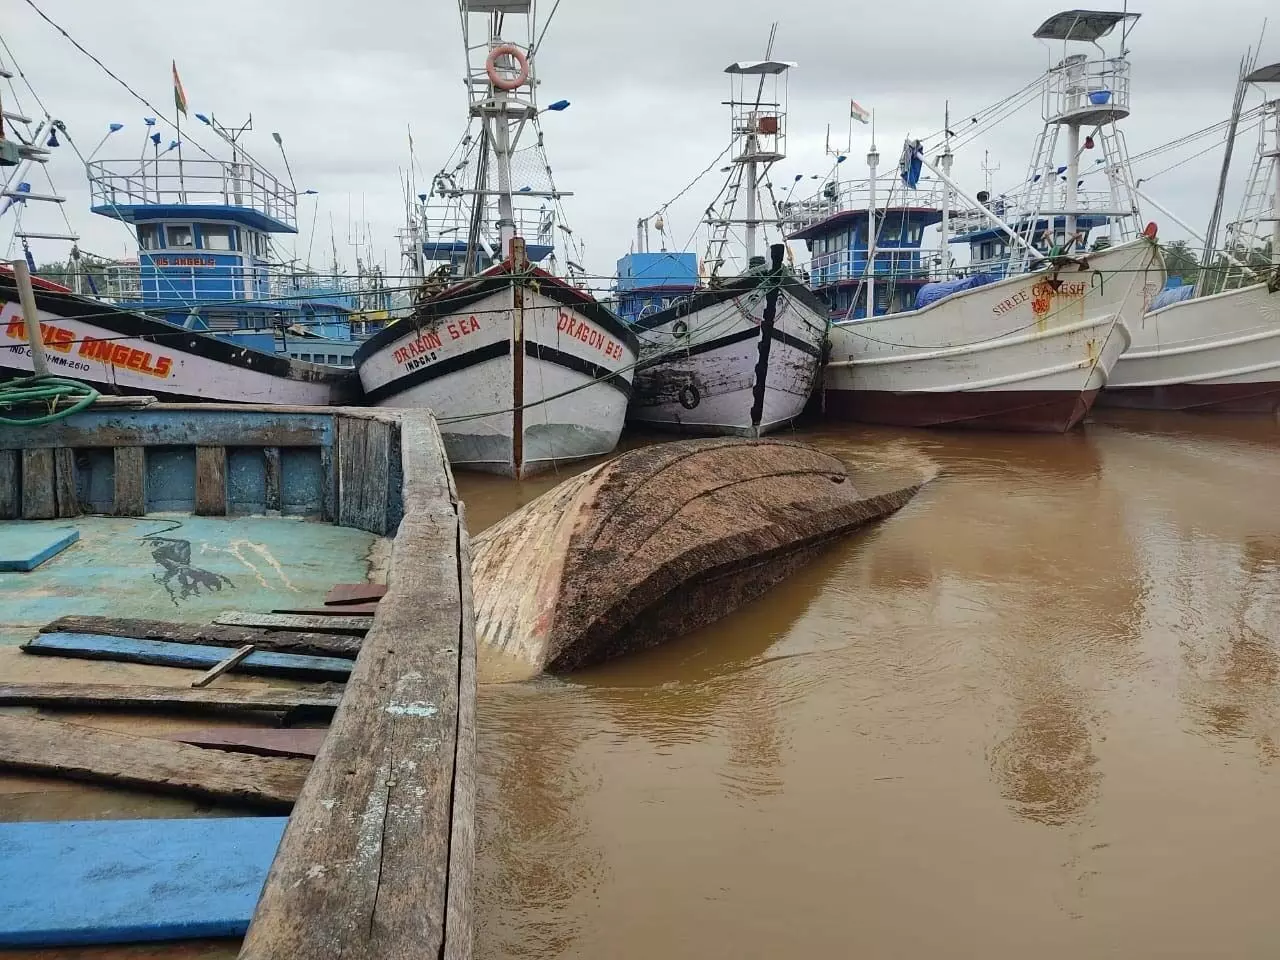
(378, 857)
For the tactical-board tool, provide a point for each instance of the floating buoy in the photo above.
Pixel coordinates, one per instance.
(516, 54)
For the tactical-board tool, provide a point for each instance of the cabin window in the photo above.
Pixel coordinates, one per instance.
(179, 235)
(333, 359)
(215, 237)
(149, 236)
(986, 251)
(914, 232)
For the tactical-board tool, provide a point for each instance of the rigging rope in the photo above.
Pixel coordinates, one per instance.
(45, 391)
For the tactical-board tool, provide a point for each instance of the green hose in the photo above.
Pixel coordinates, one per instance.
(43, 390)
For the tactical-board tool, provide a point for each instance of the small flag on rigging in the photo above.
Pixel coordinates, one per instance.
(179, 95)
(859, 112)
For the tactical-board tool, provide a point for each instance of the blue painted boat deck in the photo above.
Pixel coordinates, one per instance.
(179, 567)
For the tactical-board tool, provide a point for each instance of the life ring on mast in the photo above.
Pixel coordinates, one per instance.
(516, 54)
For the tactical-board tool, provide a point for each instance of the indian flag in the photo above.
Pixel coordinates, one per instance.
(179, 95)
(856, 110)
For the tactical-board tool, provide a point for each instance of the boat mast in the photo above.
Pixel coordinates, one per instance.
(945, 162)
(873, 229)
(1211, 232)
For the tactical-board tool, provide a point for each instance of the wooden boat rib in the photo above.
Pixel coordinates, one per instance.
(124, 352)
(653, 544)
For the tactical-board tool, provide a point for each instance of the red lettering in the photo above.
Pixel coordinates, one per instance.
(563, 323)
(134, 360)
(16, 330)
(119, 355)
(453, 332)
(162, 366)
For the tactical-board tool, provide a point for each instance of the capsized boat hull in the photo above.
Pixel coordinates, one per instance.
(521, 376)
(654, 543)
(713, 365)
(124, 352)
(1216, 354)
(1028, 353)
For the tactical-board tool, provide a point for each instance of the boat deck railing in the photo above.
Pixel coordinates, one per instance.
(835, 198)
(116, 185)
(913, 264)
(1088, 91)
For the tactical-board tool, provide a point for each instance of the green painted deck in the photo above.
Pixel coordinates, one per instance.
(182, 567)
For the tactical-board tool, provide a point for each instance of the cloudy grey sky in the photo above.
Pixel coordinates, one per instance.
(341, 80)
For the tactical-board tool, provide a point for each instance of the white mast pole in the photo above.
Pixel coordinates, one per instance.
(947, 157)
(1073, 179)
(873, 161)
(1275, 197)
(751, 202)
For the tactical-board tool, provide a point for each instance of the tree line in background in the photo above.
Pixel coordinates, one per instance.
(1182, 262)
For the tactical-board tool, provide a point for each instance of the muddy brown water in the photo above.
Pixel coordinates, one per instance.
(1035, 713)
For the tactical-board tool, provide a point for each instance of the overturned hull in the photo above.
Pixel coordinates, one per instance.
(653, 544)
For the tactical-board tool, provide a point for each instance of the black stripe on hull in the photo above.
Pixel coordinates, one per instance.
(197, 343)
(441, 368)
(575, 363)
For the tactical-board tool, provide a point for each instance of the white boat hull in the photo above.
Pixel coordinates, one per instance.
(1216, 354)
(714, 367)
(158, 359)
(514, 392)
(1030, 352)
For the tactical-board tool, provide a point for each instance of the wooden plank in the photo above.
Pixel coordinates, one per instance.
(271, 459)
(460, 910)
(214, 672)
(76, 883)
(66, 498)
(24, 547)
(329, 486)
(348, 610)
(10, 485)
(90, 646)
(263, 741)
(131, 482)
(364, 458)
(119, 759)
(211, 481)
(281, 641)
(38, 501)
(344, 593)
(295, 622)
(316, 702)
(378, 808)
(185, 426)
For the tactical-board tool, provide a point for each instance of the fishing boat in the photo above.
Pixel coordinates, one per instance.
(739, 355)
(192, 317)
(655, 543)
(1214, 345)
(524, 369)
(1027, 338)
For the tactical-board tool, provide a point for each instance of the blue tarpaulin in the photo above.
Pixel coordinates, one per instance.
(933, 292)
(1173, 295)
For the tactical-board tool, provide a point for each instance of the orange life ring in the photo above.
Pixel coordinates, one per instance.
(491, 66)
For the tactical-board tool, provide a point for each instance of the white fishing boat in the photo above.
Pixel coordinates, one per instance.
(1215, 345)
(741, 355)
(155, 341)
(523, 369)
(1029, 336)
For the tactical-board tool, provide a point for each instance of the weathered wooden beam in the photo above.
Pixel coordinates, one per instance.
(281, 641)
(343, 594)
(211, 481)
(296, 622)
(271, 463)
(66, 498)
(90, 646)
(180, 425)
(367, 861)
(263, 741)
(344, 610)
(364, 462)
(317, 702)
(218, 669)
(131, 482)
(38, 499)
(119, 759)
(10, 485)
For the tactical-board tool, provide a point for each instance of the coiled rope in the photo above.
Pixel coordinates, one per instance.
(45, 392)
